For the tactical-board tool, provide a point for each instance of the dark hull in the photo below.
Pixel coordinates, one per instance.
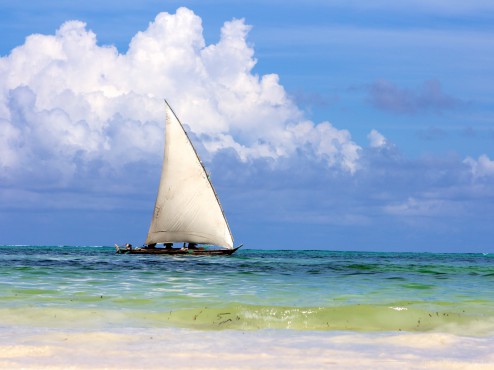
(174, 252)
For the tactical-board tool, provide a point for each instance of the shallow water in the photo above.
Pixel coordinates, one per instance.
(54, 296)
(253, 289)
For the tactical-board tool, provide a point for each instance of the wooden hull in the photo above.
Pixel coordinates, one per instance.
(177, 252)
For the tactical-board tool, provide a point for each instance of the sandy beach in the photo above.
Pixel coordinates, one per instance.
(264, 349)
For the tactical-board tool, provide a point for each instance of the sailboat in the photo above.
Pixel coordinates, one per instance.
(187, 209)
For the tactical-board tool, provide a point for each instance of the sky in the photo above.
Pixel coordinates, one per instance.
(323, 124)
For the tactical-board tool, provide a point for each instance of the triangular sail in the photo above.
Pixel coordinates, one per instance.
(187, 208)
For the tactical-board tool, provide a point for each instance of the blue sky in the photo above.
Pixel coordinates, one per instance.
(324, 124)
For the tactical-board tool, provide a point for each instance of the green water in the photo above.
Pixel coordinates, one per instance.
(47, 286)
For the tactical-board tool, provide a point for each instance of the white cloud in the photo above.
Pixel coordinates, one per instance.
(482, 167)
(376, 139)
(67, 102)
(327, 142)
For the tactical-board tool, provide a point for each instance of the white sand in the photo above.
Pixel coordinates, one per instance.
(263, 349)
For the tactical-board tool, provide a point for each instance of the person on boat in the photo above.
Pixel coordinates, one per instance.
(168, 246)
(192, 246)
(128, 247)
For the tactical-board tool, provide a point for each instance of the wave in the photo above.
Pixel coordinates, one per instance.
(360, 318)
(356, 318)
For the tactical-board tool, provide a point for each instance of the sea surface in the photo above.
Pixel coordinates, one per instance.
(89, 307)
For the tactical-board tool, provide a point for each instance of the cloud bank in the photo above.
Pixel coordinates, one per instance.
(70, 108)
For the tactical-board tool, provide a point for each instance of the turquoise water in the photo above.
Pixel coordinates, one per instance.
(92, 287)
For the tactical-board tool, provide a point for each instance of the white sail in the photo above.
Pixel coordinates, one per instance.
(187, 208)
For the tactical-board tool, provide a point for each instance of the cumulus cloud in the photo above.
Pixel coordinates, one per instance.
(69, 106)
(430, 97)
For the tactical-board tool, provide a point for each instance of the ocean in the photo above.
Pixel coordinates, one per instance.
(87, 307)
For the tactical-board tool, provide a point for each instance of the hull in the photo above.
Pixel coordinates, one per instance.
(175, 252)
